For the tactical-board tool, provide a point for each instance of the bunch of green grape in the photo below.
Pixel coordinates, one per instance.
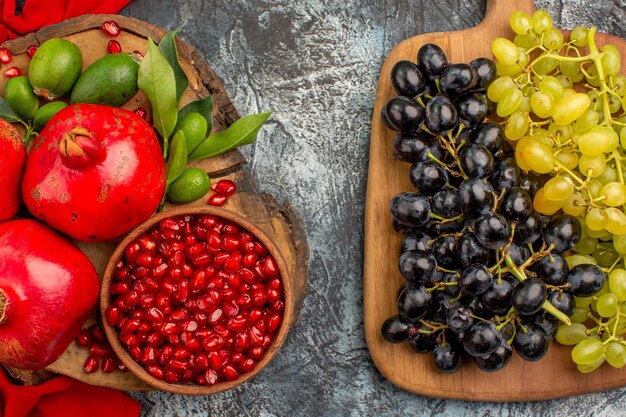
(563, 107)
(576, 134)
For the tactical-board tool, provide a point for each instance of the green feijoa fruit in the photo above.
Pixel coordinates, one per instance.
(192, 184)
(55, 68)
(194, 125)
(19, 94)
(111, 80)
(45, 113)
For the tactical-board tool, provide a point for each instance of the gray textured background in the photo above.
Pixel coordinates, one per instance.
(315, 63)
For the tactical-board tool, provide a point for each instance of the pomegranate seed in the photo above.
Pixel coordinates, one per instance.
(96, 332)
(193, 345)
(249, 259)
(256, 337)
(270, 267)
(247, 365)
(99, 351)
(190, 326)
(230, 243)
(258, 297)
(200, 361)
(31, 50)
(255, 315)
(149, 356)
(183, 291)
(210, 377)
(170, 328)
(260, 249)
(277, 306)
(237, 324)
(233, 262)
(216, 360)
(237, 358)
(109, 365)
(198, 281)
(131, 299)
(213, 343)
(155, 339)
(230, 308)
(267, 341)
(155, 315)
(230, 228)
(256, 352)
(110, 28)
(225, 187)
(273, 295)
(216, 316)
(129, 340)
(141, 112)
(181, 353)
(217, 200)
(273, 322)
(137, 55)
(178, 364)
(156, 371)
(172, 377)
(5, 56)
(114, 47)
(179, 315)
(132, 251)
(83, 339)
(91, 365)
(166, 355)
(230, 373)
(242, 342)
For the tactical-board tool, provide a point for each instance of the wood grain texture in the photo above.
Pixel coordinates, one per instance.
(521, 380)
(280, 222)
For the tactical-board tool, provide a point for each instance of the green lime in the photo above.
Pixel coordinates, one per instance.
(194, 126)
(45, 113)
(55, 68)
(19, 94)
(192, 184)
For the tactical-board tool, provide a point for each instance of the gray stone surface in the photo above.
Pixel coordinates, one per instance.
(315, 63)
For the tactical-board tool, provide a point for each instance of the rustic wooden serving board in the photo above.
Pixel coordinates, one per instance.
(279, 221)
(552, 377)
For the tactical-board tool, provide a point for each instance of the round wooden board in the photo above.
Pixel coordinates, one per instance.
(279, 221)
(552, 377)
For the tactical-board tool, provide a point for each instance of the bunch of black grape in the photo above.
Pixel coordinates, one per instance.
(484, 271)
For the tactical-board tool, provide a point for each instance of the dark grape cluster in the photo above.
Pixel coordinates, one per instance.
(485, 273)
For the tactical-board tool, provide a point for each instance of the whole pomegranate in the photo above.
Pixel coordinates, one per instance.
(48, 288)
(12, 159)
(94, 173)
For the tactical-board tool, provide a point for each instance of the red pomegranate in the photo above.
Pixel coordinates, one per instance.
(94, 173)
(12, 159)
(48, 288)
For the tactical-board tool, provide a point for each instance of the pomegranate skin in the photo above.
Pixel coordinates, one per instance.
(12, 160)
(94, 173)
(48, 289)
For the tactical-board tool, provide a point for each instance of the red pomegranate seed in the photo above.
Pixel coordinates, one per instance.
(210, 377)
(230, 243)
(166, 355)
(137, 55)
(31, 50)
(119, 288)
(200, 361)
(155, 315)
(178, 365)
(256, 337)
(99, 351)
(237, 324)
(277, 306)
(193, 345)
(273, 322)
(225, 187)
(149, 356)
(109, 365)
(114, 47)
(217, 200)
(156, 371)
(216, 360)
(141, 112)
(213, 343)
(155, 339)
(247, 365)
(256, 352)
(91, 365)
(129, 340)
(270, 267)
(110, 28)
(267, 341)
(97, 333)
(242, 342)
(83, 339)
(172, 377)
(233, 263)
(249, 259)
(273, 295)
(5, 56)
(230, 308)
(230, 373)
(170, 328)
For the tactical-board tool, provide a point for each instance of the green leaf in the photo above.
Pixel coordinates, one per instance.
(204, 107)
(7, 113)
(156, 79)
(167, 46)
(242, 132)
(177, 159)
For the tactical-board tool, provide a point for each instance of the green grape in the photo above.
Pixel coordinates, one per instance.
(586, 245)
(524, 106)
(553, 39)
(616, 222)
(552, 86)
(508, 70)
(595, 103)
(579, 36)
(565, 81)
(609, 175)
(576, 259)
(607, 305)
(575, 205)
(605, 255)
(541, 21)
(594, 187)
(571, 335)
(539, 157)
(571, 70)
(611, 61)
(524, 58)
(617, 277)
(509, 103)
(622, 138)
(521, 145)
(569, 108)
(564, 132)
(619, 85)
(558, 188)
(580, 315)
(615, 354)
(615, 104)
(545, 206)
(615, 193)
(592, 76)
(499, 87)
(587, 351)
(568, 158)
(588, 120)
(520, 22)
(599, 234)
(596, 219)
(593, 166)
(541, 104)
(583, 301)
(524, 41)
(594, 142)
(610, 133)
(546, 65)
(517, 126)
(505, 51)
(585, 369)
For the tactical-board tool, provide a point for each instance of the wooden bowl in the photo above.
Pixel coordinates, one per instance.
(192, 389)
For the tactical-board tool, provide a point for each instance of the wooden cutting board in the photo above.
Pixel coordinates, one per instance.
(279, 221)
(554, 376)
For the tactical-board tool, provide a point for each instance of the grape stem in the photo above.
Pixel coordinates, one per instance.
(547, 306)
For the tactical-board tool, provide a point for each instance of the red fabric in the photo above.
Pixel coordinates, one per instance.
(63, 397)
(39, 13)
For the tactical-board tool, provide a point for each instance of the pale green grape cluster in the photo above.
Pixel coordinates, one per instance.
(565, 110)
(563, 104)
